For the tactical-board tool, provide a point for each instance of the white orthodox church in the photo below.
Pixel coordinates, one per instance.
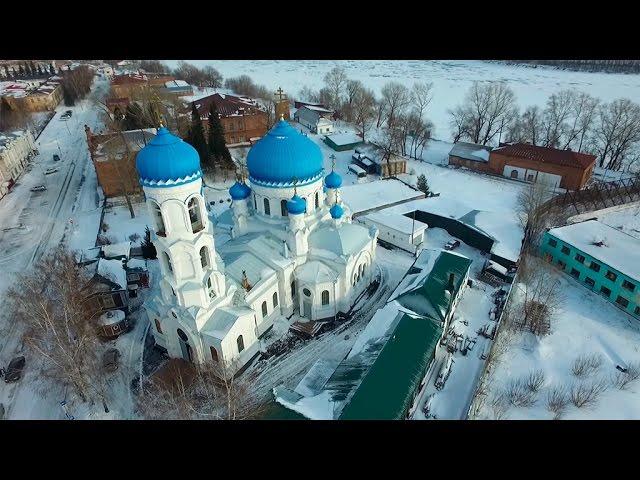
(293, 248)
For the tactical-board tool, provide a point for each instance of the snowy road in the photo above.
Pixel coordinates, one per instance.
(45, 216)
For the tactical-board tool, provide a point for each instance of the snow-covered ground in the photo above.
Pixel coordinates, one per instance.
(451, 79)
(586, 324)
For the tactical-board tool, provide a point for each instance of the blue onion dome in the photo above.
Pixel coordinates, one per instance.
(333, 180)
(296, 205)
(282, 155)
(167, 161)
(239, 191)
(336, 211)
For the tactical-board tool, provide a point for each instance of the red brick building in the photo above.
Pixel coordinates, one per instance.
(530, 163)
(242, 118)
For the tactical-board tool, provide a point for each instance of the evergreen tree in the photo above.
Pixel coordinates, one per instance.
(217, 145)
(196, 135)
(148, 248)
(52, 70)
(6, 72)
(21, 71)
(40, 72)
(32, 67)
(13, 72)
(422, 184)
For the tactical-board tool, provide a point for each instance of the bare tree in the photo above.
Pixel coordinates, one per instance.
(396, 98)
(541, 297)
(364, 110)
(519, 394)
(488, 109)
(556, 114)
(335, 82)
(421, 94)
(528, 127)
(616, 132)
(53, 304)
(531, 212)
(206, 391)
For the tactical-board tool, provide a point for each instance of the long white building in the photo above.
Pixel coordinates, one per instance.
(293, 247)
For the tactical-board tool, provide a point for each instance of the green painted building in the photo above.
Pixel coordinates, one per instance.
(380, 377)
(602, 258)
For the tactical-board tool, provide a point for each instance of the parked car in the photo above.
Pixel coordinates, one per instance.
(13, 372)
(452, 244)
(64, 116)
(49, 171)
(56, 157)
(39, 188)
(110, 360)
(68, 112)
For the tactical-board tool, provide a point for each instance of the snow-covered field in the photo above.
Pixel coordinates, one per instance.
(586, 324)
(451, 79)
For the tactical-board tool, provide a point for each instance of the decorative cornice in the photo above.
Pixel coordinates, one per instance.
(145, 182)
(290, 184)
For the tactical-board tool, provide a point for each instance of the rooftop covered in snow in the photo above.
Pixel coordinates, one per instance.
(604, 243)
(368, 197)
(471, 151)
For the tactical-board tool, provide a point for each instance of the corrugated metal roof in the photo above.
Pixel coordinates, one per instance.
(536, 153)
(387, 389)
(431, 298)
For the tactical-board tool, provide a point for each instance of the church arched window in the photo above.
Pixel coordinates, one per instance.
(514, 174)
(204, 257)
(194, 215)
(325, 297)
(157, 215)
(275, 299)
(264, 309)
(240, 343)
(283, 208)
(214, 353)
(317, 200)
(267, 207)
(167, 261)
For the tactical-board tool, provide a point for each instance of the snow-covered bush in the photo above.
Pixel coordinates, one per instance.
(518, 393)
(535, 380)
(499, 406)
(557, 401)
(621, 380)
(586, 394)
(586, 365)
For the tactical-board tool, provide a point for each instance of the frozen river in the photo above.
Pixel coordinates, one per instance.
(451, 79)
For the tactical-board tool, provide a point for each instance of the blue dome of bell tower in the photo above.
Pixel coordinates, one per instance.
(167, 161)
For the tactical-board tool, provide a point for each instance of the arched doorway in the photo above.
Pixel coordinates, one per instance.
(307, 302)
(185, 348)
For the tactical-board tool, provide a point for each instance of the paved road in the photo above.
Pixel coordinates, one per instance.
(45, 218)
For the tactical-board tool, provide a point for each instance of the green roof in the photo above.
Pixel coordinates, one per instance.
(386, 391)
(431, 299)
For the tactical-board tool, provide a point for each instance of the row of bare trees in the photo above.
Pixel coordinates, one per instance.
(400, 111)
(569, 120)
